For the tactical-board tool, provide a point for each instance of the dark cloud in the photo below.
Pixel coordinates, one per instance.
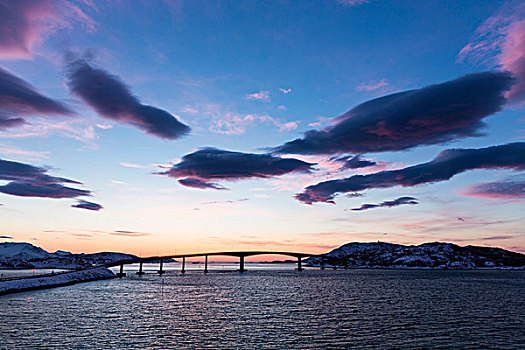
(6, 237)
(129, 233)
(81, 235)
(21, 172)
(197, 183)
(355, 162)
(389, 204)
(202, 168)
(492, 238)
(29, 181)
(19, 98)
(426, 116)
(506, 189)
(447, 164)
(9, 122)
(112, 99)
(82, 204)
(23, 189)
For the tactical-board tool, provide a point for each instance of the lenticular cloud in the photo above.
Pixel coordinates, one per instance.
(389, 204)
(112, 99)
(446, 165)
(26, 180)
(426, 116)
(355, 162)
(18, 98)
(82, 204)
(202, 168)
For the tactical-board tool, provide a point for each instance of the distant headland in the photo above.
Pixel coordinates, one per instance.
(435, 255)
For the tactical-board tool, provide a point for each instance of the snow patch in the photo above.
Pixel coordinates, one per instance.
(93, 274)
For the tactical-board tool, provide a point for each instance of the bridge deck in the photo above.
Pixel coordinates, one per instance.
(238, 254)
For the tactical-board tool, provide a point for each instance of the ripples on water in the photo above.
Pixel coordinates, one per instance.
(274, 309)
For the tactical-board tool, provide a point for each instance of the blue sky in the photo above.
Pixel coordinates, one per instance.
(247, 77)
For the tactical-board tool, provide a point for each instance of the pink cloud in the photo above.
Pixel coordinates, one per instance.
(189, 109)
(511, 189)
(500, 42)
(129, 233)
(352, 2)
(277, 245)
(132, 165)
(289, 126)
(25, 22)
(77, 13)
(512, 58)
(22, 22)
(259, 96)
(81, 235)
(371, 86)
(78, 129)
(118, 182)
(231, 123)
(285, 91)
(321, 122)
(19, 153)
(104, 126)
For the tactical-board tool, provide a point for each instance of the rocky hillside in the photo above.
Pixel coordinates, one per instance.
(427, 255)
(26, 255)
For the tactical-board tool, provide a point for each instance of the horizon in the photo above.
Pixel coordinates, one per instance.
(269, 257)
(225, 127)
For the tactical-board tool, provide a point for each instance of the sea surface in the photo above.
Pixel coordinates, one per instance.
(273, 307)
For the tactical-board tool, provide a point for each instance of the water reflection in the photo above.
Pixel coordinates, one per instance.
(274, 308)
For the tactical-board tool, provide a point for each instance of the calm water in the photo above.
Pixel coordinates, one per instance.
(274, 309)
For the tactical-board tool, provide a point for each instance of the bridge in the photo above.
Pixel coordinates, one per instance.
(239, 254)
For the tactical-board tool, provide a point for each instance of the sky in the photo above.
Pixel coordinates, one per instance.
(168, 127)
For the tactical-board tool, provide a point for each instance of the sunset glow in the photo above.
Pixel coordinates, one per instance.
(169, 127)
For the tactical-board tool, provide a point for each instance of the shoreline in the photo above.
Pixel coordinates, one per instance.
(55, 280)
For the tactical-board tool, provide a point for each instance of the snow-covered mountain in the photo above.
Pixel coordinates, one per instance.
(26, 255)
(427, 255)
(22, 251)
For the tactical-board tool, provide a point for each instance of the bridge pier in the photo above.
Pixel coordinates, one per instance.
(299, 266)
(205, 264)
(121, 273)
(140, 272)
(161, 271)
(241, 264)
(183, 265)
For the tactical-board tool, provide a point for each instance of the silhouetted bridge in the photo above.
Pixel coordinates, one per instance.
(241, 255)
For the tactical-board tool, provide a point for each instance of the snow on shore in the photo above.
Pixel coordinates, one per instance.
(15, 286)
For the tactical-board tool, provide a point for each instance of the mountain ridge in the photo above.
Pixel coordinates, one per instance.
(440, 255)
(23, 255)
